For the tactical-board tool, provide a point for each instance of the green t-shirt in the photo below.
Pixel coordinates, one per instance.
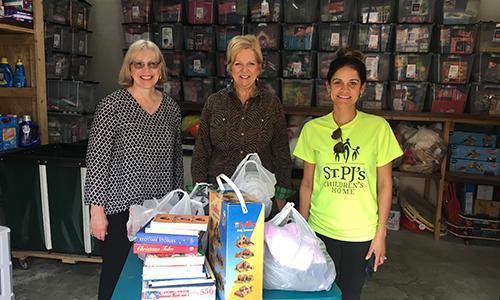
(344, 197)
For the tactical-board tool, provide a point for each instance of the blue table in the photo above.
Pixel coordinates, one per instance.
(129, 286)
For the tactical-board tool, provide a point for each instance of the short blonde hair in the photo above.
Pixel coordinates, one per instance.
(241, 42)
(124, 77)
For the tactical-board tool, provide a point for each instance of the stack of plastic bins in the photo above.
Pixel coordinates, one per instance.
(6, 291)
(44, 199)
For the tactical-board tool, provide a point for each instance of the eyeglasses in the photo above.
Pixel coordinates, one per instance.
(339, 146)
(140, 65)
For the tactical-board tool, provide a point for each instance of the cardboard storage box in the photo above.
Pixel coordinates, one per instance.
(475, 153)
(474, 166)
(487, 207)
(473, 139)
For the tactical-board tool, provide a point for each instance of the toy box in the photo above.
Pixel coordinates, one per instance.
(199, 38)
(461, 12)
(412, 67)
(297, 92)
(376, 11)
(135, 32)
(298, 64)
(79, 44)
(232, 11)
(221, 64)
(225, 33)
(57, 65)
(454, 68)
(335, 10)
(408, 96)
(236, 249)
(168, 36)
(334, 35)
(457, 39)
(174, 61)
(197, 90)
(300, 11)
(416, 11)
(8, 132)
(449, 98)
(475, 153)
(373, 37)
(57, 11)
(198, 64)
(485, 99)
(489, 68)
(168, 11)
(324, 60)
(200, 11)
(413, 38)
(137, 11)
(265, 11)
(268, 35)
(474, 166)
(80, 14)
(298, 36)
(487, 208)
(322, 96)
(489, 37)
(374, 96)
(473, 139)
(377, 66)
(271, 84)
(58, 37)
(272, 64)
(173, 88)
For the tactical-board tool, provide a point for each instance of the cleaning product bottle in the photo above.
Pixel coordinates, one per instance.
(5, 73)
(20, 75)
(28, 132)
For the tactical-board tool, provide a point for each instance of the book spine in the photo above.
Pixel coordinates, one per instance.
(164, 249)
(171, 239)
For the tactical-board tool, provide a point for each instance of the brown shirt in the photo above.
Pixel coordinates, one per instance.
(230, 130)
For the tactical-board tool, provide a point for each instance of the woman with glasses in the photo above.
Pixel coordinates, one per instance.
(240, 119)
(134, 153)
(346, 190)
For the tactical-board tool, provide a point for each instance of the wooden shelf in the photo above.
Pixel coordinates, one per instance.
(27, 92)
(474, 178)
(434, 176)
(10, 28)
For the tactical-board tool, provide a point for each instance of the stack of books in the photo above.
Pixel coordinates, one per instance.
(174, 267)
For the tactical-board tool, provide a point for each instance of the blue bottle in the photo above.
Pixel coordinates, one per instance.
(6, 79)
(19, 75)
(28, 132)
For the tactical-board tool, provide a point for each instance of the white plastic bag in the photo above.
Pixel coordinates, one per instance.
(200, 193)
(140, 215)
(294, 258)
(252, 178)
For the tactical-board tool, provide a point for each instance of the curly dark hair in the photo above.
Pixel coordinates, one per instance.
(345, 56)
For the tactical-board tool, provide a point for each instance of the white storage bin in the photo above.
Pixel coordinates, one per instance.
(6, 291)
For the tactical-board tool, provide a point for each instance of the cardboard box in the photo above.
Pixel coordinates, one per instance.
(487, 208)
(468, 198)
(475, 153)
(236, 246)
(485, 192)
(474, 166)
(473, 139)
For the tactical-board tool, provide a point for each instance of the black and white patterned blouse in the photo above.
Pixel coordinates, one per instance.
(132, 155)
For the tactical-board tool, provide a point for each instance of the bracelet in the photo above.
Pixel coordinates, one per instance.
(382, 224)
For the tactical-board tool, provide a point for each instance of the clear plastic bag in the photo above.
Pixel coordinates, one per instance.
(294, 258)
(140, 215)
(252, 178)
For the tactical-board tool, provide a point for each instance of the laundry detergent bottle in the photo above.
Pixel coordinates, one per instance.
(28, 132)
(6, 78)
(19, 75)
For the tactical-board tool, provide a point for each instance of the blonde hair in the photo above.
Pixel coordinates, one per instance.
(124, 77)
(241, 42)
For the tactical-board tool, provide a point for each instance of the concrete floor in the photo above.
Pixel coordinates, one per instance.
(417, 268)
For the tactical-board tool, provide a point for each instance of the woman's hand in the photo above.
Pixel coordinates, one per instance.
(98, 222)
(377, 248)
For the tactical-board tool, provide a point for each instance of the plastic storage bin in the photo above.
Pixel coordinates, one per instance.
(57, 65)
(374, 97)
(299, 64)
(169, 36)
(416, 11)
(71, 96)
(6, 289)
(58, 37)
(265, 11)
(66, 128)
(271, 84)
(454, 68)
(334, 35)
(336, 10)
(324, 60)
(298, 36)
(413, 37)
(408, 96)
(322, 96)
(199, 38)
(174, 62)
(489, 37)
(57, 11)
(457, 39)
(377, 66)
(8, 132)
(268, 35)
(221, 83)
(376, 11)
(485, 99)
(79, 45)
(173, 88)
(135, 32)
(300, 11)
(197, 90)
(296, 92)
(79, 67)
(168, 11)
(412, 67)
(461, 12)
(373, 37)
(80, 14)
(449, 98)
(200, 11)
(136, 11)
(221, 64)
(489, 68)
(272, 64)
(225, 33)
(198, 64)
(232, 11)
